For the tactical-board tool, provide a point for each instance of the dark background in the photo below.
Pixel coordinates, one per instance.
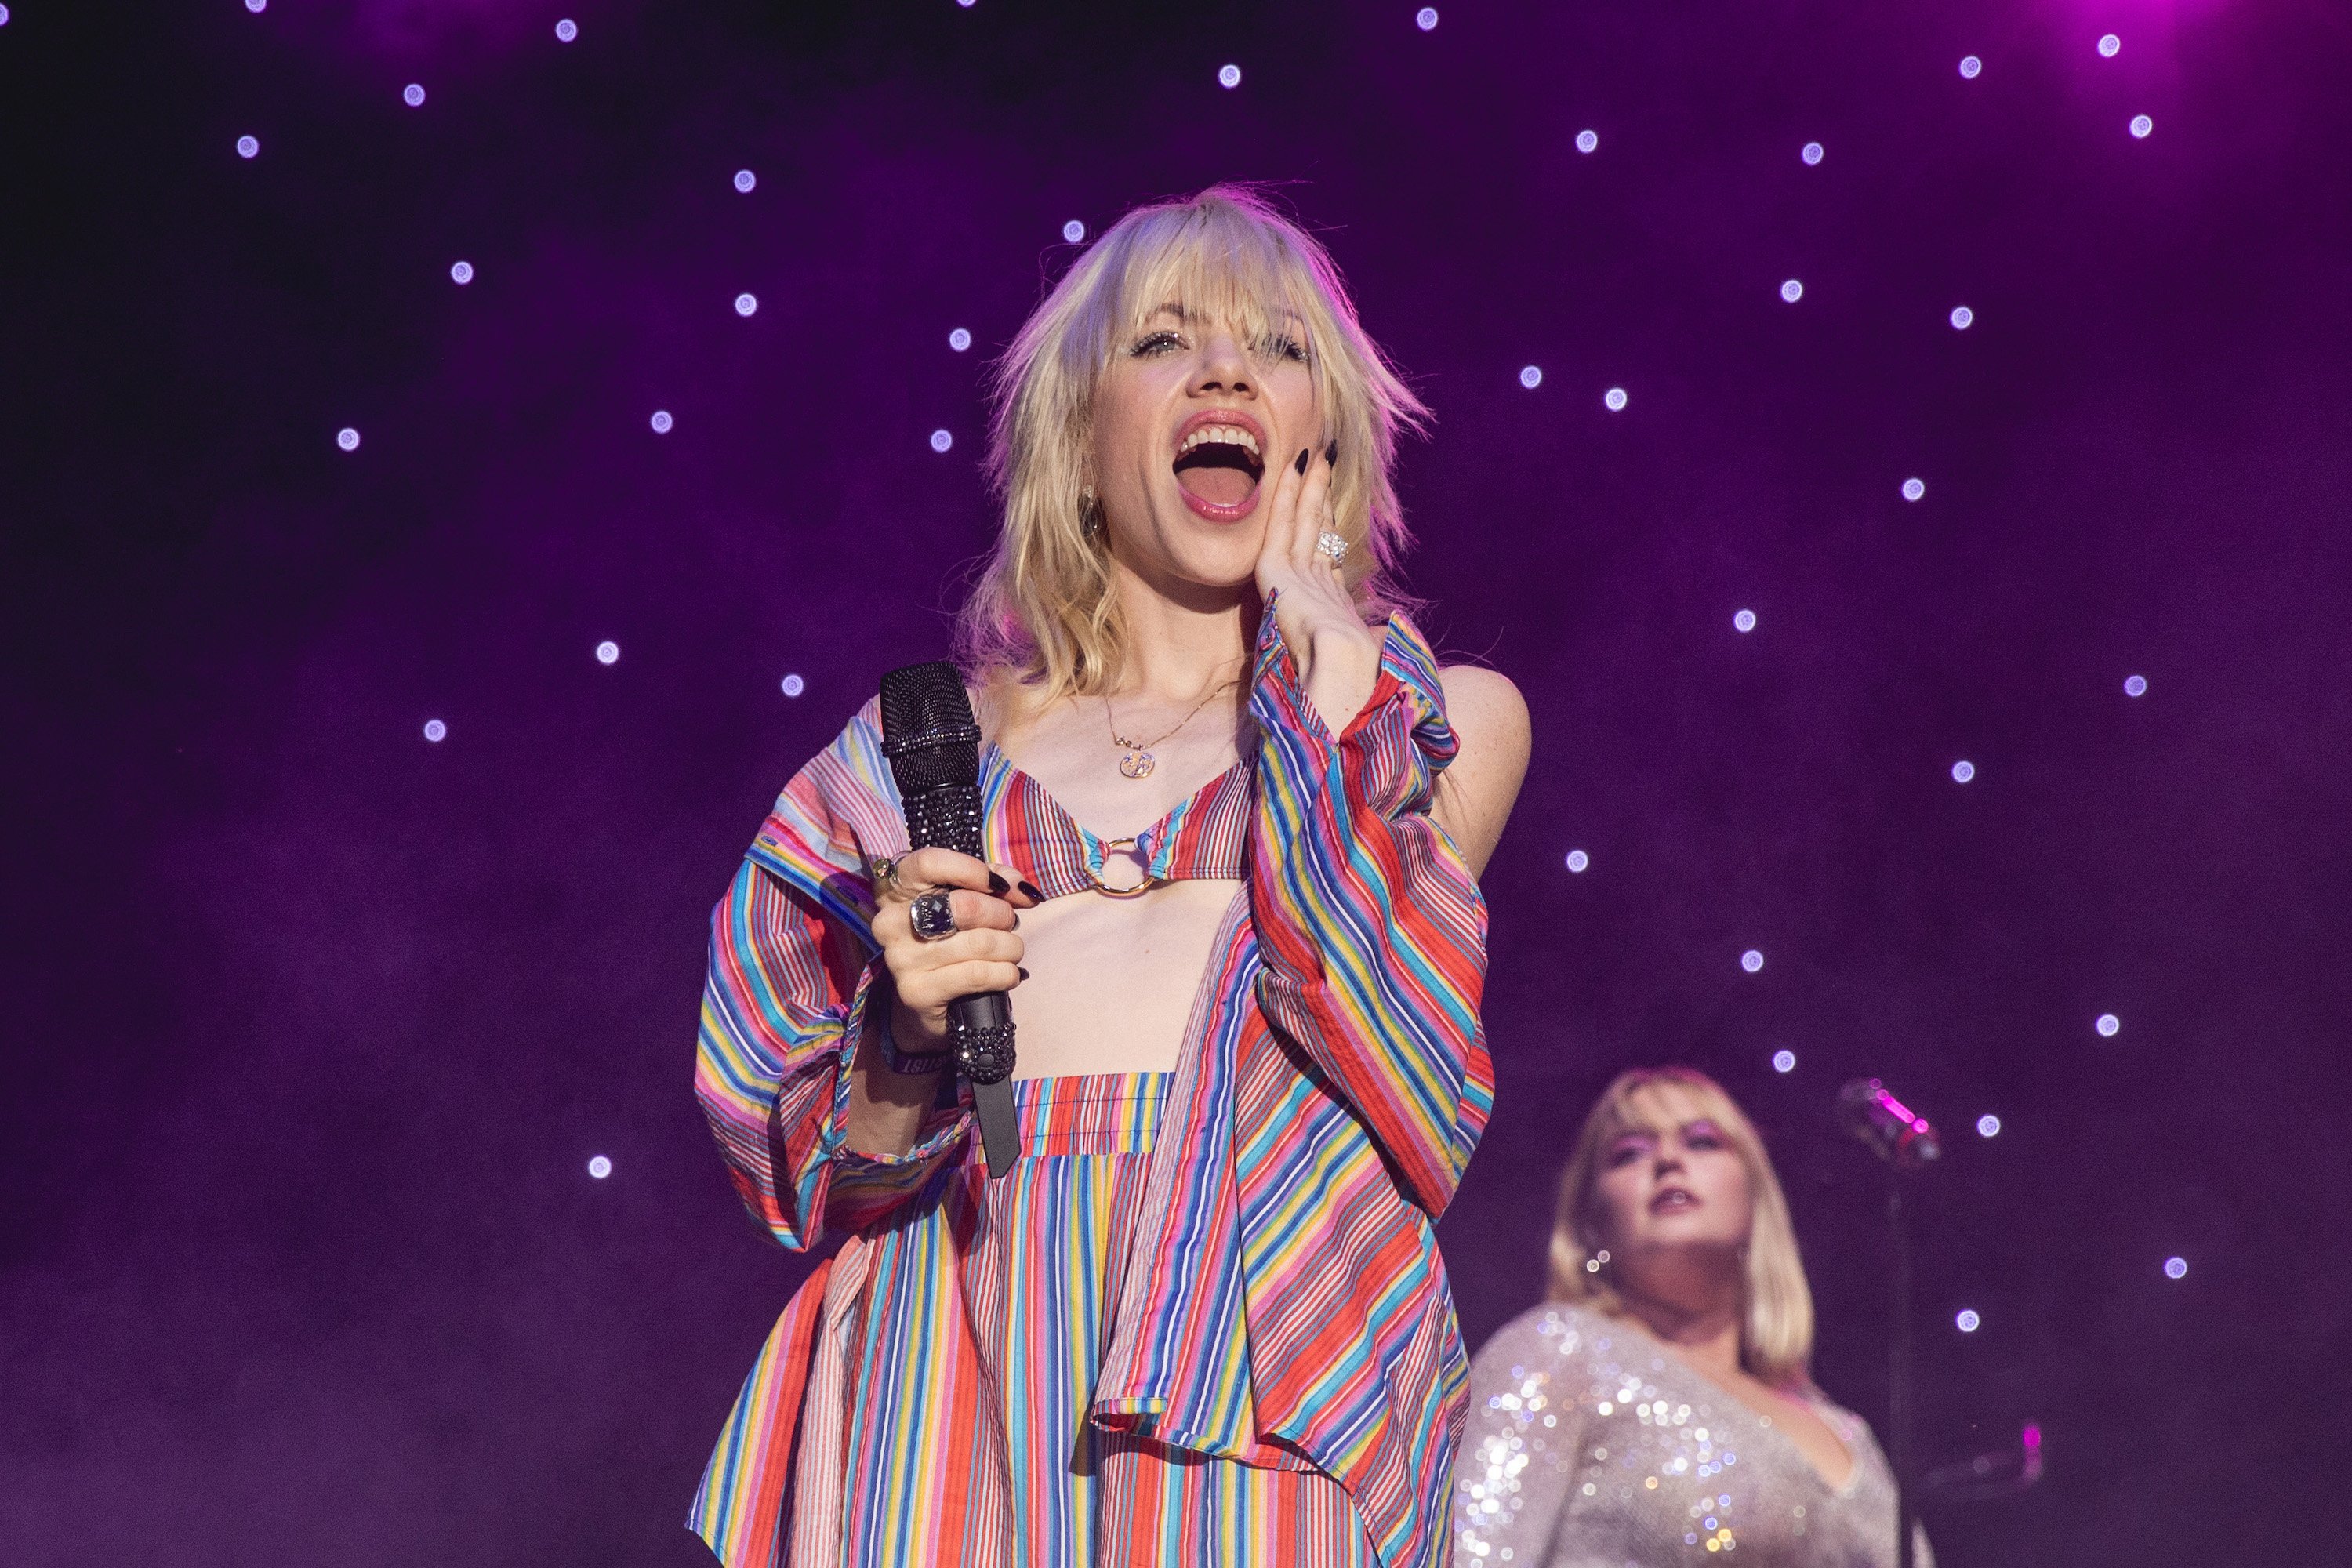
(311, 1027)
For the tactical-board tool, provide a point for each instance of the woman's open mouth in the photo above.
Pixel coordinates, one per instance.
(1220, 457)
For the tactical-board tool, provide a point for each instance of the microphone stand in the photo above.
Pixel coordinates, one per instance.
(1906, 1141)
(1898, 1371)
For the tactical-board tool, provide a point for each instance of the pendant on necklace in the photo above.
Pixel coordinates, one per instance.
(1135, 764)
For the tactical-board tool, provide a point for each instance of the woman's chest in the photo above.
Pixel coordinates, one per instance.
(1113, 981)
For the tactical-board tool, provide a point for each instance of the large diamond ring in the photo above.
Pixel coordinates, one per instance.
(1330, 546)
(933, 919)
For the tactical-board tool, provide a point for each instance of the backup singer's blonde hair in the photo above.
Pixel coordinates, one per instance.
(1042, 609)
(1776, 1335)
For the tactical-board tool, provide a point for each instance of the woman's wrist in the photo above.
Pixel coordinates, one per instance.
(907, 1063)
(1341, 668)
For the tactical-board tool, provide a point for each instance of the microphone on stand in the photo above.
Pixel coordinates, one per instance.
(1894, 1133)
(933, 746)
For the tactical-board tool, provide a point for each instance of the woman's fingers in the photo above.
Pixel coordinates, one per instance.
(1314, 513)
(921, 869)
(1278, 556)
(928, 991)
(916, 957)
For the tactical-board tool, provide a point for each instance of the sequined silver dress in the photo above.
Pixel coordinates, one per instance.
(1591, 1446)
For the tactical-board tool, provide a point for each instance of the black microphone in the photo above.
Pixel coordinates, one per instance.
(1895, 1134)
(933, 746)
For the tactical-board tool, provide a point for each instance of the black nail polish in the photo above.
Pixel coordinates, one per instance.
(1021, 972)
(1303, 451)
(1034, 890)
(1331, 454)
(998, 885)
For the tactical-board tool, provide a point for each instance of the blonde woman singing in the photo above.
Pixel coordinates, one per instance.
(1234, 813)
(1658, 1409)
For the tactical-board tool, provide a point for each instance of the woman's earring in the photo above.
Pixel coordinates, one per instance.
(1090, 513)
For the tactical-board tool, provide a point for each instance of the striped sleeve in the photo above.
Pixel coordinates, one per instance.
(1370, 921)
(792, 967)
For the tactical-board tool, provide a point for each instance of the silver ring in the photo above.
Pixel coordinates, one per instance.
(1331, 547)
(932, 915)
(885, 870)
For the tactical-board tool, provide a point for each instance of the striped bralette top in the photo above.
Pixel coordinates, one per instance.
(1207, 835)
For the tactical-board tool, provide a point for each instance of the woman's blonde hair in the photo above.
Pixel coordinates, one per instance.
(1043, 608)
(1776, 1335)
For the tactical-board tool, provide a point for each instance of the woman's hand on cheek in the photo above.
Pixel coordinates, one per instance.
(1338, 657)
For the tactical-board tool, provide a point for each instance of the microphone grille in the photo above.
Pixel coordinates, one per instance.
(928, 731)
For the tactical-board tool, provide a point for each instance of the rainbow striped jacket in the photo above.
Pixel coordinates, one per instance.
(1290, 1305)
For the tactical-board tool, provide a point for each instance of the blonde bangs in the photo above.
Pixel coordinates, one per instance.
(1776, 1340)
(1043, 611)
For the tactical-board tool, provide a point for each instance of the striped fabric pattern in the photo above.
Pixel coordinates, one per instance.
(1284, 1311)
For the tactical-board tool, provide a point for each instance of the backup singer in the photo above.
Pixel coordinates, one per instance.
(1660, 1410)
(1234, 812)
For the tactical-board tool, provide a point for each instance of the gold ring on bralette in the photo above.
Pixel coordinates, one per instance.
(1094, 873)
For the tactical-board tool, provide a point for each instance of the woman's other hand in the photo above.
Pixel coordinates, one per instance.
(1338, 657)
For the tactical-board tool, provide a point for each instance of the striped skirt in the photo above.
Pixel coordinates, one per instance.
(945, 1418)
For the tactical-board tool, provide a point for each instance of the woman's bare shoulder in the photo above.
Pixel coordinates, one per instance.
(1476, 791)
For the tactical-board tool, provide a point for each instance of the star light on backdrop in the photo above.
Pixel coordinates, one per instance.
(1751, 961)
(1963, 317)
(1531, 376)
(746, 181)
(348, 439)
(662, 422)
(746, 303)
(1811, 154)
(1073, 232)
(1614, 400)
(2108, 1024)
(2135, 685)
(412, 95)
(1963, 771)
(1914, 490)
(1228, 76)
(435, 730)
(1967, 1321)
(1792, 291)
(248, 146)
(1784, 1061)
(1577, 861)
(461, 273)
(1988, 1125)
(942, 440)
(599, 1167)
(794, 685)
(256, 6)
(2141, 125)
(960, 340)
(1970, 66)
(1743, 620)
(566, 30)
(1586, 140)
(2176, 1268)
(1426, 18)
(608, 653)
(2110, 46)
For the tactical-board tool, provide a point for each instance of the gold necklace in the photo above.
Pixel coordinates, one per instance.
(1139, 761)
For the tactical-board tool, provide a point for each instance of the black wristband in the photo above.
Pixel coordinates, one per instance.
(919, 1064)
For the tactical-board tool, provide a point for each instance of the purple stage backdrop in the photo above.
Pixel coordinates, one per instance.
(458, 457)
